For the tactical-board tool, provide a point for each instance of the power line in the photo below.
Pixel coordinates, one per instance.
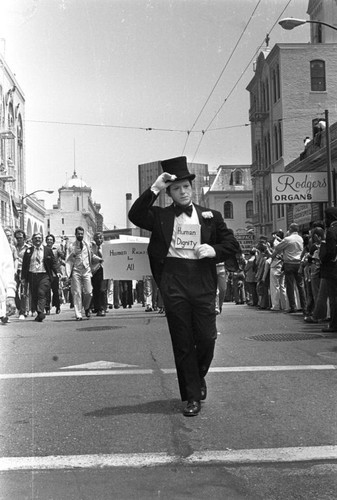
(236, 83)
(223, 70)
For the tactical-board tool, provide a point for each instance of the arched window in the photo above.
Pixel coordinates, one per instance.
(238, 177)
(249, 209)
(228, 210)
(317, 75)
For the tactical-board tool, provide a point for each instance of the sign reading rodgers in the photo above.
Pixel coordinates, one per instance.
(299, 187)
(126, 259)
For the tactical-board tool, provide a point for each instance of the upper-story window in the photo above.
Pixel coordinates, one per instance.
(317, 75)
(238, 177)
(228, 210)
(249, 209)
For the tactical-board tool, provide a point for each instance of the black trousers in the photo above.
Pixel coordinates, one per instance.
(98, 291)
(188, 289)
(55, 283)
(39, 284)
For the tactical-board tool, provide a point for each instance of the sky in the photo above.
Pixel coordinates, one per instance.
(111, 84)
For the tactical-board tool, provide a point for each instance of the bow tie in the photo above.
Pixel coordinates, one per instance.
(178, 210)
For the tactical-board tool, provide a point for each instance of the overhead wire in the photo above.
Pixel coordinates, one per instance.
(222, 72)
(236, 83)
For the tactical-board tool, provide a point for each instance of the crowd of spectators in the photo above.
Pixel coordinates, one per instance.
(292, 273)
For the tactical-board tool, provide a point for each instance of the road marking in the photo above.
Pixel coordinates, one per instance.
(98, 365)
(232, 369)
(229, 369)
(243, 457)
(87, 373)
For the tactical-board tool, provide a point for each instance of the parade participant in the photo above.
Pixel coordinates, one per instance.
(21, 295)
(291, 248)
(186, 276)
(328, 256)
(7, 281)
(78, 268)
(55, 284)
(99, 285)
(38, 266)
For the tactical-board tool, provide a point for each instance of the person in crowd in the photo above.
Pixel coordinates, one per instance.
(148, 292)
(262, 287)
(9, 235)
(125, 287)
(319, 285)
(239, 282)
(221, 286)
(78, 268)
(99, 284)
(328, 256)
(38, 266)
(250, 279)
(186, 276)
(53, 299)
(278, 292)
(291, 248)
(7, 279)
(21, 295)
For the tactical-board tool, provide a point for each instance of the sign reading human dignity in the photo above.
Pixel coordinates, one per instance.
(125, 261)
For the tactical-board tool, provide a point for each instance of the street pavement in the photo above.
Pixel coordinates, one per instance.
(91, 410)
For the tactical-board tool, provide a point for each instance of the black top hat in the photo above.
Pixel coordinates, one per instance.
(177, 166)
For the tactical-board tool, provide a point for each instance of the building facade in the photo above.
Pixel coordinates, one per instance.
(292, 87)
(74, 207)
(12, 147)
(231, 194)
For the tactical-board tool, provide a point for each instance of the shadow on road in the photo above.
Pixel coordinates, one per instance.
(162, 406)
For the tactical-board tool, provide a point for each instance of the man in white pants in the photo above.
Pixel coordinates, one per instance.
(78, 267)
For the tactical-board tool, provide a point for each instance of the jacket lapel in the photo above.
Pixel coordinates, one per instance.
(167, 224)
(205, 229)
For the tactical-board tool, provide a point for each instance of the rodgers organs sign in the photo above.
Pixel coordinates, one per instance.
(299, 187)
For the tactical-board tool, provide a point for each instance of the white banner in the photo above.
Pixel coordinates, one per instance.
(125, 261)
(299, 187)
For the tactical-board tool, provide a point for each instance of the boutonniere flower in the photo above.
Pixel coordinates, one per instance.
(28, 251)
(207, 215)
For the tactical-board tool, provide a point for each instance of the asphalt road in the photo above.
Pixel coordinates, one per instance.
(90, 410)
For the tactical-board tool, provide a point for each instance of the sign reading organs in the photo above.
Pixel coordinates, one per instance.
(299, 187)
(125, 260)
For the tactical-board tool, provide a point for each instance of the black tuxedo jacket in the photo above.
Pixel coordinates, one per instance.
(49, 262)
(160, 221)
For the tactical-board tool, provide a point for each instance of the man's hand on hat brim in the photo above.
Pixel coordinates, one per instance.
(163, 181)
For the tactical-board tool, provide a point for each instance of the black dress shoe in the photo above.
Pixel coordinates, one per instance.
(329, 330)
(48, 311)
(192, 409)
(58, 310)
(203, 389)
(40, 317)
(88, 313)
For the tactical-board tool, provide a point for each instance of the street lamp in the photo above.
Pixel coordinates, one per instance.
(289, 23)
(23, 206)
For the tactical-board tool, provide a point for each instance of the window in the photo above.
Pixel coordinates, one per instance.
(276, 143)
(238, 177)
(317, 75)
(78, 203)
(249, 209)
(228, 210)
(280, 139)
(62, 220)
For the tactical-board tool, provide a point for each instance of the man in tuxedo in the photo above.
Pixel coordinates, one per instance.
(186, 242)
(38, 265)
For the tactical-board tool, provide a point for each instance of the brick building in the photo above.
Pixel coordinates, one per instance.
(292, 86)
